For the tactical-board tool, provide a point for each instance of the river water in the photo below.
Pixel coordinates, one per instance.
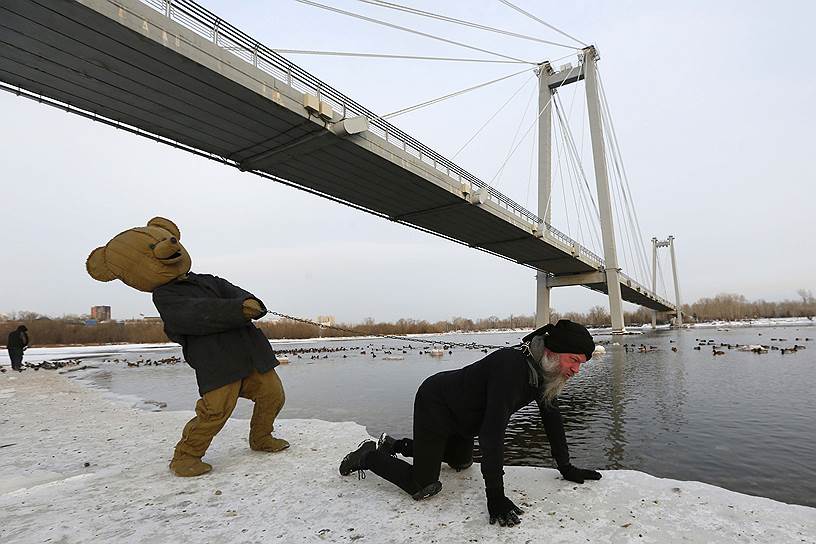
(742, 421)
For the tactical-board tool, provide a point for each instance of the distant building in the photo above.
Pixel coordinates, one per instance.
(326, 320)
(101, 313)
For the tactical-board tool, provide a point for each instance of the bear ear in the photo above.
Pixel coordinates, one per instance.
(97, 267)
(165, 224)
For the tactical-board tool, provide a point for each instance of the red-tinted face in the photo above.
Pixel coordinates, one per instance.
(570, 363)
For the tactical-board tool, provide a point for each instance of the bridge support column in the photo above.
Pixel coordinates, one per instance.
(543, 288)
(654, 279)
(544, 183)
(602, 182)
(676, 285)
(544, 142)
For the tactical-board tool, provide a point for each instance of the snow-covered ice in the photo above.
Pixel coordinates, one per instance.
(78, 467)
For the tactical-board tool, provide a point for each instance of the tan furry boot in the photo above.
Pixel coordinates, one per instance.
(268, 443)
(187, 466)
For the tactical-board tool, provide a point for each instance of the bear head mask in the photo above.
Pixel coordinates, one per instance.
(142, 257)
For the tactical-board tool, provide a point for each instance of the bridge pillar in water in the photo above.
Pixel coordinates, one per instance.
(542, 316)
(612, 270)
(676, 284)
(669, 243)
(654, 279)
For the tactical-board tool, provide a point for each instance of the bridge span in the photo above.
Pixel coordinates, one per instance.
(175, 72)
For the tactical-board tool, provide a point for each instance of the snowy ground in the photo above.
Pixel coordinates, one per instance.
(77, 467)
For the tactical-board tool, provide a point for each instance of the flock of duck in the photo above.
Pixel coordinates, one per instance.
(51, 365)
(391, 353)
(717, 347)
(754, 348)
(387, 353)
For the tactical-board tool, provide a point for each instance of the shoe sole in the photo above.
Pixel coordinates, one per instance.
(428, 491)
(349, 462)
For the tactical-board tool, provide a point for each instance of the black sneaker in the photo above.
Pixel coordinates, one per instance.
(428, 491)
(355, 460)
(385, 445)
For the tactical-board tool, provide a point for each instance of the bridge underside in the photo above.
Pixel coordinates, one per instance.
(137, 67)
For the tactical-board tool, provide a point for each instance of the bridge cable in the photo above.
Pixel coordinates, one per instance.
(545, 23)
(580, 200)
(415, 11)
(540, 113)
(660, 276)
(412, 31)
(558, 137)
(520, 123)
(388, 336)
(593, 226)
(622, 166)
(451, 95)
(569, 173)
(386, 56)
(621, 200)
(575, 163)
(574, 150)
(530, 181)
(512, 96)
(623, 230)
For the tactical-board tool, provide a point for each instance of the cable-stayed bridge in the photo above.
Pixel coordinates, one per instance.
(172, 71)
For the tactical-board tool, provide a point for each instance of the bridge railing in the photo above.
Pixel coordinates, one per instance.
(637, 286)
(207, 25)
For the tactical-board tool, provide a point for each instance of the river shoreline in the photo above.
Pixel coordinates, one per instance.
(78, 467)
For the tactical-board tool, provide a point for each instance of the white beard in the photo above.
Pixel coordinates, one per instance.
(554, 379)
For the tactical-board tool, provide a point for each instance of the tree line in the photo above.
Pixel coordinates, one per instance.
(72, 330)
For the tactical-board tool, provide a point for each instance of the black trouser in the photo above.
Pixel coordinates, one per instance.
(429, 448)
(16, 356)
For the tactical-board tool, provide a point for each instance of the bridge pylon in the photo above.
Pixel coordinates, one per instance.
(669, 243)
(548, 80)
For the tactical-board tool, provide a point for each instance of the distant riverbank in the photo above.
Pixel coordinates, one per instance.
(598, 331)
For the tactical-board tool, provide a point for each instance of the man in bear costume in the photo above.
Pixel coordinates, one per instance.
(211, 319)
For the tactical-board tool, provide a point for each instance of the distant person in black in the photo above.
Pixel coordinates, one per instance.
(453, 407)
(16, 345)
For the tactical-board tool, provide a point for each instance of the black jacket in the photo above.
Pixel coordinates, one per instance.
(204, 314)
(479, 399)
(17, 340)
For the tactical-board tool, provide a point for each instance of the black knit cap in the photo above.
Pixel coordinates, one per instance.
(565, 337)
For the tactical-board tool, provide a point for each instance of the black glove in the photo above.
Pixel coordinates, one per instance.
(501, 508)
(578, 475)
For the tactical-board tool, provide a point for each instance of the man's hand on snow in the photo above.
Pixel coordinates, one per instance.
(501, 508)
(578, 475)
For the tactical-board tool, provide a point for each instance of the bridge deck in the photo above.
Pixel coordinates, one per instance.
(231, 97)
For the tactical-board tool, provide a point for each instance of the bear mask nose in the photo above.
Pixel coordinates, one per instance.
(167, 249)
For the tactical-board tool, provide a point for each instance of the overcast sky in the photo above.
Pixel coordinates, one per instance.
(713, 105)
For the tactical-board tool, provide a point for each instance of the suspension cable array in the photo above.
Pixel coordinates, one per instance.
(410, 30)
(451, 95)
(471, 24)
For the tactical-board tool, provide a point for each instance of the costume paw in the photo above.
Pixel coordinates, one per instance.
(187, 467)
(268, 443)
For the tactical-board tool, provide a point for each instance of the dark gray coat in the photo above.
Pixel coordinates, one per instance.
(204, 314)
